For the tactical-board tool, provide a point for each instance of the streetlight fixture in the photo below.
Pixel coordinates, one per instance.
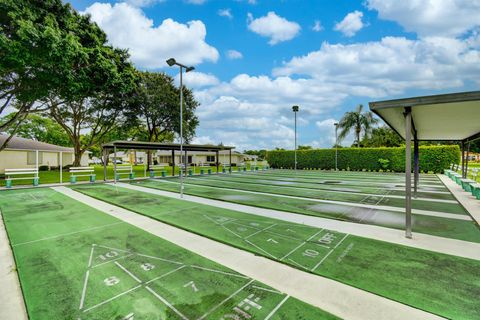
(172, 62)
(295, 110)
(336, 146)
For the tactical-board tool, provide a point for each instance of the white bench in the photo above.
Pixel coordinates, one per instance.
(158, 168)
(128, 170)
(76, 172)
(19, 174)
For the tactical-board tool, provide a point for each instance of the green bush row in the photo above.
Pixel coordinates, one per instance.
(432, 158)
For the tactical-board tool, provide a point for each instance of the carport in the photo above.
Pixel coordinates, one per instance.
(445, 117)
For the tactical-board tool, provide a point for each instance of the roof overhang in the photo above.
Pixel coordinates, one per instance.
(454, 117)
(143, 145)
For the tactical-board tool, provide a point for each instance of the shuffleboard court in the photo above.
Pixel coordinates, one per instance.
(371, 265)
(342, 187)
(379, 199)
(438, 226)
(75, 262)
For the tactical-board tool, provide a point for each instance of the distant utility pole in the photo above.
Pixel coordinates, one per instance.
(295, 110)
(336, 145)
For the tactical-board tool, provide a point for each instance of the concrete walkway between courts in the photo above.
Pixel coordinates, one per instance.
(469, 202)
(339, 299)
(12, 305)
(454, 247)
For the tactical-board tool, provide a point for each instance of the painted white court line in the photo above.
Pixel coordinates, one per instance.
(112, 260)
(90, 259)
(454, 247)
(266, 289)
(255, 233)
(157, 258)
(165, 274)
(128, 272)
(113, 298)
(219, 271)
(277, 307)
(253, 244)
(168, 304)
(293, 250)
(350, 204)
(335, 191)
(84, 291)
(225, 300)
(332, 296)
(321, 261)
(67, 234)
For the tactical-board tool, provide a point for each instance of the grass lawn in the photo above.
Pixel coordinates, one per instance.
(75, 262)
(445, 227)
(438, 283)
(47, 177)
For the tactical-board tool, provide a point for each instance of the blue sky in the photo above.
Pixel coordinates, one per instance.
(255, 59)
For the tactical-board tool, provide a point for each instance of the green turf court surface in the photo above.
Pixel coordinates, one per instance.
(438, 283)
(75, 262)
(438, 226)
(380, 198)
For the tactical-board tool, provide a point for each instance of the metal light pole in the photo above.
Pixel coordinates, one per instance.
(336, 145)
(171, 62)
(295, 110)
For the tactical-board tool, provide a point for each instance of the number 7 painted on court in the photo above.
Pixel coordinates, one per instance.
(272, 240)
(191, 284)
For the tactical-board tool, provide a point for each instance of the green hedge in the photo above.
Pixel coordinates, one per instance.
(432, 158)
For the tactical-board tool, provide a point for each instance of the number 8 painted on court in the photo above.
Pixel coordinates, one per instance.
(147, 266)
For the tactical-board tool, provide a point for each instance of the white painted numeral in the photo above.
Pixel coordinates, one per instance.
(192, 285)
(147, 266)
(272, 240)
(254, 224)
(310, 253)
(241, 229)
(327, 238)
(108, 255)
(129, 316)
(290, 230)
(111, 281)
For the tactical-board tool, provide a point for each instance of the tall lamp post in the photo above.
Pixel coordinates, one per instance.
(336, 145)
(171, 62)
(295, 110)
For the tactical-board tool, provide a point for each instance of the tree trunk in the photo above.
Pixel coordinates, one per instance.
(78, 152)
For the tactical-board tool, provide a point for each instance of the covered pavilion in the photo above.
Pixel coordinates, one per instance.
(150, 146)
(445, 117)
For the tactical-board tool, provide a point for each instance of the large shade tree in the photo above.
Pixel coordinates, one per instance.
(357, 121)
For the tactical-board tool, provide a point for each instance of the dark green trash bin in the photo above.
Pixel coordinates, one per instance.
(8, 183)
(209, 171)
(73, 179)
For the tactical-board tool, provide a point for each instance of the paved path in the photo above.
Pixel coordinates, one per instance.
(332, 296)
(350, 204)
(12, 305)
(423, 241)
(466, 199)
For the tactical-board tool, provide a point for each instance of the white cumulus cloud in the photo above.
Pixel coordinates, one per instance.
(234, 54)
(317, 26)
(430, 18)
(351, 24)
(127, 27)
(227, 13)
(272, 26)
(196, 79)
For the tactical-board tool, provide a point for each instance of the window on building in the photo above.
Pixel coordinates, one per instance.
(210, 158)
(31, 158)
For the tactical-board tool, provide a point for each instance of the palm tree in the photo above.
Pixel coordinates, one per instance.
(358, 121)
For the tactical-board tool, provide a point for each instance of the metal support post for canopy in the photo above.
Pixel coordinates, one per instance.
(463, 159)
(416, 169)
(466, 159)
(185, 164)
(230, 156)
(114, 164)
(408, 172)
(216, 159)
(105, 159)
(60, 161)
(173, 163)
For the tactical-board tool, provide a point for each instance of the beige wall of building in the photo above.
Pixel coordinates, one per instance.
(20, 159)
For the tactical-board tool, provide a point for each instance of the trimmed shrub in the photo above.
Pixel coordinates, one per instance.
(432, 158)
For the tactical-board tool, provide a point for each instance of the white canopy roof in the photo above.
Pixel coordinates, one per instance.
(454, 116)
